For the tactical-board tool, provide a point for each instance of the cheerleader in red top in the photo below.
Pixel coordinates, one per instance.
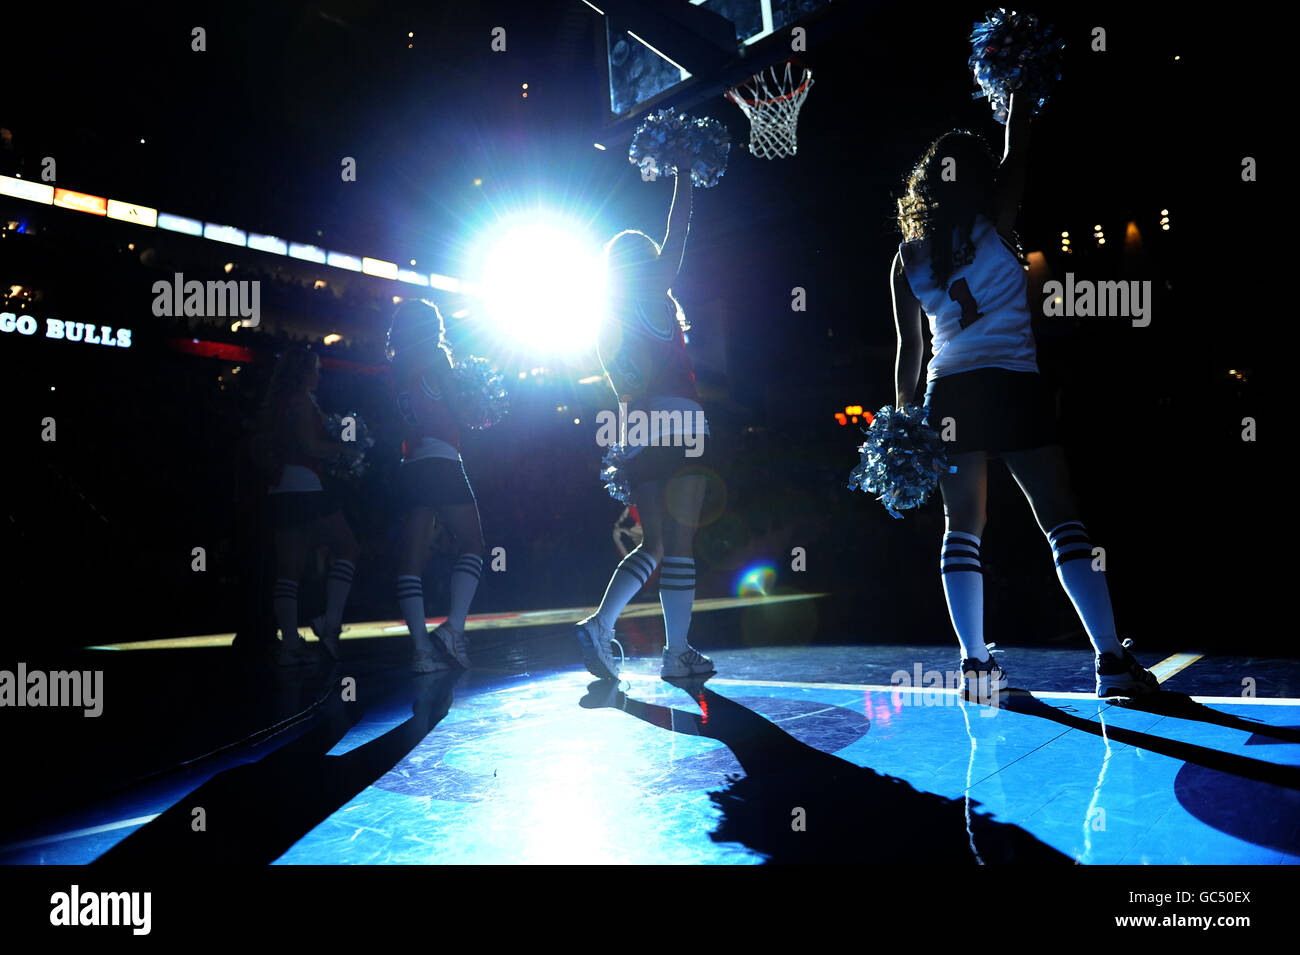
(643, 351)
(431, 483)
(295, 446)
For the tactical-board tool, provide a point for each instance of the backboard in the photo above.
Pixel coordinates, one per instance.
(682, 54)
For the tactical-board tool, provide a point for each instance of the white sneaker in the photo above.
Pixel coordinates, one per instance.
(294, 652)
(690, 662)
(597, 649)
(1124, 676)
(426, 658)
(454, 642)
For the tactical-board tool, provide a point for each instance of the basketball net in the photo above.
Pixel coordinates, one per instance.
(771, 101)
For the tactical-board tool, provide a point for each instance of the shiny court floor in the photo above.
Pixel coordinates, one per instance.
(780, 758)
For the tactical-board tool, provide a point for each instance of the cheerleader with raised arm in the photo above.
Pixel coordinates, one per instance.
(293, 444)
(431, 483)
(643, 351)
(957, 268)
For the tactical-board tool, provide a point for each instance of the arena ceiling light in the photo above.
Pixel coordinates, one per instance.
(542, 283)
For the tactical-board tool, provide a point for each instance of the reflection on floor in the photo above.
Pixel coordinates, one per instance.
(790, 754)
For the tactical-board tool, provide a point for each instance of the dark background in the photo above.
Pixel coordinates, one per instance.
(98, 526)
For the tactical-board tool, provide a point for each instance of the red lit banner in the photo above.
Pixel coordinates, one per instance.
(81, 201)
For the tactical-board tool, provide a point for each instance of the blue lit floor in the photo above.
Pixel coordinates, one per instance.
(780, 758)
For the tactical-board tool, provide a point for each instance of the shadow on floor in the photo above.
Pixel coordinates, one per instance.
(256, 812)
(850, 813)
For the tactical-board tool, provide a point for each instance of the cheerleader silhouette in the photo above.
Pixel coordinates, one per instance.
(958, 269)
(431, 483)
(643, 351)
(293, 445)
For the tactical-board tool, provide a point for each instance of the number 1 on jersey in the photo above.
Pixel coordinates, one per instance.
(959, 292)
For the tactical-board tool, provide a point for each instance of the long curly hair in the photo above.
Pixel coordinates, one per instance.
(417, 335)
(955, 180)
(271, 429)
(622, 256)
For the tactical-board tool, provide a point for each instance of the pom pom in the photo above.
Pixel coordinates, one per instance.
(481, 393)
(614, 475)
(666, 141)
(342, 466)
(902, 459)
(1013, 52)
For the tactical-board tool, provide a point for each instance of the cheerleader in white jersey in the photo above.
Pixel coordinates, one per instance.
(431, 483)
(957, 269)
(643, 351)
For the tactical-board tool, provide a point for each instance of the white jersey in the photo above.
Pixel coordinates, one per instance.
(981, 318)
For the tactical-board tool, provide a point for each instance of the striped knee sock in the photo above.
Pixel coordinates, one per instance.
(676, 595)
(963, 585)
(1072, 552)
(337, 585)
(464, 581)
(632, 573)
(410, 599)
(286, 608)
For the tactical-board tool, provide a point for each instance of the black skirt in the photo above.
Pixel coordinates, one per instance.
(662, 463)
(295, 508)
(432, 482)
(992, 410)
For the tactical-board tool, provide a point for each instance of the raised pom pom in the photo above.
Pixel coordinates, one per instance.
(901, 460)
(666, 140)
(351, 429)
(614, 476)
(482, 400)
(1013, 52)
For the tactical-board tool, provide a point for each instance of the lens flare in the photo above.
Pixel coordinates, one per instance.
(756, 581)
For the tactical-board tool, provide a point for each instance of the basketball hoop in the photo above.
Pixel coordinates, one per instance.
(771, 101)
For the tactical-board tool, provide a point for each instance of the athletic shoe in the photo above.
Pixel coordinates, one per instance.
(454, 643)
(294, 652)
(1123, 676)
(426, 658)
(597, 648)
(330, 641)
(982, 680)
(690, 662)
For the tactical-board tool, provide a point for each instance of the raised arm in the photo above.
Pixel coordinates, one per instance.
(907, 321)
(1015, 161)
(673, 249)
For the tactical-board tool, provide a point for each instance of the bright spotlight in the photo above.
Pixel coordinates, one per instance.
(542, 285)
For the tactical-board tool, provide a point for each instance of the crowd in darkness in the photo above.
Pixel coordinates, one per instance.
(151, 462)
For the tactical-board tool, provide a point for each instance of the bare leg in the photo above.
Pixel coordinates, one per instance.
(1045, 480)
(413, 543)
(1043, 476)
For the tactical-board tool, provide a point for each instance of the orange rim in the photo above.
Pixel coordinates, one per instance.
(735, 97)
